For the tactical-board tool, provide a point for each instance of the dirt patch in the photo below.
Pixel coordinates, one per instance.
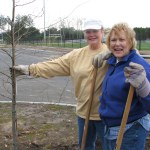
(41, 127)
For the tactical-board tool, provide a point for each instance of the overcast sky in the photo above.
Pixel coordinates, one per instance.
(135, 12)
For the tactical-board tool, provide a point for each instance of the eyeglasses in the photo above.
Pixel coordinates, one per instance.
(91, 31)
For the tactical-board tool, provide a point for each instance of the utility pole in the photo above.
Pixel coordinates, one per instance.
(44, 21)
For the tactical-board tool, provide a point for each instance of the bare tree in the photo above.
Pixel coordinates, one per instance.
(14, 114)
(13, 40)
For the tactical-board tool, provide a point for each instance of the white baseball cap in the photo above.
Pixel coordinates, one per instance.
(92, 24)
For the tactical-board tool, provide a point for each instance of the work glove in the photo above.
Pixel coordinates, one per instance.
(135, 75)
(21, 70)
(99, 58)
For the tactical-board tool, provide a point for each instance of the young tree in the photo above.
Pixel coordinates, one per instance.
(14, 114)
(16, 32)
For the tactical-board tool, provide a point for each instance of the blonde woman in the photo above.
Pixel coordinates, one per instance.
(125, 67)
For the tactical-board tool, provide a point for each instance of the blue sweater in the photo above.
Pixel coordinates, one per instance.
(115, 92)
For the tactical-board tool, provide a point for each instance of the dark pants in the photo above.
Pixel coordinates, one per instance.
(95, 129)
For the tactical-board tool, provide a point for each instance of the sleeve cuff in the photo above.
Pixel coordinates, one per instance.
(144, 90)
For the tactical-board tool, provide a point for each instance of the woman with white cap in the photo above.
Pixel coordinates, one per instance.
(78, 65)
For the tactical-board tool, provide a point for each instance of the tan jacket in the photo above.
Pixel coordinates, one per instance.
(78, 65)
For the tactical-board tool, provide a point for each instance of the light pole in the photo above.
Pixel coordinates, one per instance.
(44, 20)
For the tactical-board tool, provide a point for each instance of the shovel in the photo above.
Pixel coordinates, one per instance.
(125, 117)
(88, 110)
(126, 113)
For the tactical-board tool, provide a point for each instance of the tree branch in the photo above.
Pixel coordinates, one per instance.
(26, 3)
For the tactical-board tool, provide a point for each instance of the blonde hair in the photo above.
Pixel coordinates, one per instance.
(129, 32)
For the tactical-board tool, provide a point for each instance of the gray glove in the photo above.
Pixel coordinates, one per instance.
(99, 58)
(135, 75)
(21, 70)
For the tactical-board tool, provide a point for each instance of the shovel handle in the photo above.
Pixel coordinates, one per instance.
(88, 109)
(125, 117)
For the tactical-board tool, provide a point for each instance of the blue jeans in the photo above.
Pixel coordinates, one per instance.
(95, 128)
(134, 139)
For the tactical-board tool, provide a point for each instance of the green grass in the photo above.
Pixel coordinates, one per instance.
(67, 45)
(56, 44)
(5, 115)
(145, 45)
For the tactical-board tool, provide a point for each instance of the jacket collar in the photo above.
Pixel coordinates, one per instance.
(112, 60)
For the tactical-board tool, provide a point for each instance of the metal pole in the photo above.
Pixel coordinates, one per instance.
(44, 20)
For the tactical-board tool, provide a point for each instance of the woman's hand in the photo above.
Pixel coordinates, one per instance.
(135, 75)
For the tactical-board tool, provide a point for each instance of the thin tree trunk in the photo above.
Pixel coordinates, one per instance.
(14, 114)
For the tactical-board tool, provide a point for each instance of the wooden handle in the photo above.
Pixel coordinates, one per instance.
(88, 110)
(125, 117)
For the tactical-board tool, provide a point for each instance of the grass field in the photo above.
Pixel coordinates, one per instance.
(143, 45)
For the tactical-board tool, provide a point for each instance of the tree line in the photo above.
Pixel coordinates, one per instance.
(25, 31)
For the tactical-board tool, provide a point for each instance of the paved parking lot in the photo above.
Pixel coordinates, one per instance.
(54, 90)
